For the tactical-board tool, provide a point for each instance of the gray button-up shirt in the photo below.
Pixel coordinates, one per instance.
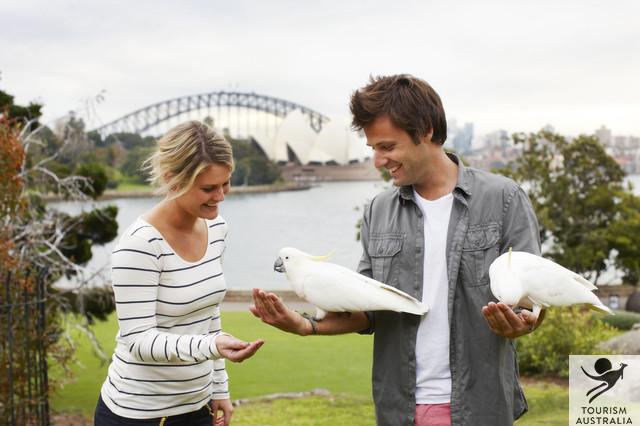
(490, 213)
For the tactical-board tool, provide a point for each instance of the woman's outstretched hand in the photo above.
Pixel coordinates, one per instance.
(236, 350)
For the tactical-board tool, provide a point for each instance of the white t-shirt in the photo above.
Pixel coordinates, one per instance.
(433, 375)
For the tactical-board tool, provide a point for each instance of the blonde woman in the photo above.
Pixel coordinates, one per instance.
(168, 364)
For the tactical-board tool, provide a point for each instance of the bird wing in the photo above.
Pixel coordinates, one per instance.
(550, 284)
(337, 289)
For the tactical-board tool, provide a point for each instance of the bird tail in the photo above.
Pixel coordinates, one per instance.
(601, 308)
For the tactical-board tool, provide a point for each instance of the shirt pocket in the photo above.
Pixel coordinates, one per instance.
(480, 248)
(382, 248)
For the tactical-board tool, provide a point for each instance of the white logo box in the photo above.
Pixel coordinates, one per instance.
(604, 389)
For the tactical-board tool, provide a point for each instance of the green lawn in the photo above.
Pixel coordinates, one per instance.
(287, 363)
(125, 186)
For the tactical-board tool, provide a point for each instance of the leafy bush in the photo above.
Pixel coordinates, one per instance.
(564, 332)
(97, 176)
(622, 320)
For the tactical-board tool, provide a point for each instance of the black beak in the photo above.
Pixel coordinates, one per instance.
(279, 266)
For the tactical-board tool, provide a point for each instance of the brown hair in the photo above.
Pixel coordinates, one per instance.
(183, 153)
(411, 104)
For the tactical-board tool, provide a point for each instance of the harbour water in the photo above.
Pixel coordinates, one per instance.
(319, 220)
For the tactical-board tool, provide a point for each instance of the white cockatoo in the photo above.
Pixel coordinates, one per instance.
(334, 288)
(526, 280)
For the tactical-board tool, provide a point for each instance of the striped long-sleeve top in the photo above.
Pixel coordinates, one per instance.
(165, 361)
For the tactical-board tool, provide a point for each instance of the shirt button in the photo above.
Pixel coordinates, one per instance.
(379, 250)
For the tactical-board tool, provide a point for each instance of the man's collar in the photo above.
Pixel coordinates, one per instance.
(463, 184)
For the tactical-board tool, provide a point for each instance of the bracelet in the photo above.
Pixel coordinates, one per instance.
(312, 321)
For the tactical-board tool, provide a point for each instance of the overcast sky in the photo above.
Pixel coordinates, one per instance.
(516, 65)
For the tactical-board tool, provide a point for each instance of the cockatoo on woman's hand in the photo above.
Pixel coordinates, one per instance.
(334, 288)
(526, 280)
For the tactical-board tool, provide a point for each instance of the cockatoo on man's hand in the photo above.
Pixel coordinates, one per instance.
(526, 280)
(334, 288)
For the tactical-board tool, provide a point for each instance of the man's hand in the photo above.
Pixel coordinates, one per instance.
(270, 309)
(236, 350)
(506, 323)
(226, 407)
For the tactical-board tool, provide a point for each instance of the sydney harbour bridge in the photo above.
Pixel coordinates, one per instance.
(238, 112)
(284, 130)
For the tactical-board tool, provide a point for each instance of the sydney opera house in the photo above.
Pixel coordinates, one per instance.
(295, 141)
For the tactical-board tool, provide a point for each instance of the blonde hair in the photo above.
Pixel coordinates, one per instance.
(182, 154)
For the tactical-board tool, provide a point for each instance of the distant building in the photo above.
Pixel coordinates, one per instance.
(296, 142)
(463, 138)
(604, 136)
(497, 139)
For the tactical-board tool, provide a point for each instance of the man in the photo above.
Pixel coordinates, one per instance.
(433, 236)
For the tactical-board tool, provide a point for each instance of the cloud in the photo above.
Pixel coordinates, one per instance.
(514, 65)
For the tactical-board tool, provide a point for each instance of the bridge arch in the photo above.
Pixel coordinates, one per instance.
(147, 117)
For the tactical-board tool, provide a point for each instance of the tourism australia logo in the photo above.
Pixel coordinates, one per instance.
(604, 390)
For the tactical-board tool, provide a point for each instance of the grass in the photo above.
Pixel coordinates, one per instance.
(287, 363)
(125, 186)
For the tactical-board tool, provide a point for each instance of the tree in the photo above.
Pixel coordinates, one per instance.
(578, 194)
(38, 245)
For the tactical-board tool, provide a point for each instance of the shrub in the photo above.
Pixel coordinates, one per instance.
(622, 320)
(564, 332)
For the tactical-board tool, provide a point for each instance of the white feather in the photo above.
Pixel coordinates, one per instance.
(334, 288)
(524, 279)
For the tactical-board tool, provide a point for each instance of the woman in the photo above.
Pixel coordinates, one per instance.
(167, 278)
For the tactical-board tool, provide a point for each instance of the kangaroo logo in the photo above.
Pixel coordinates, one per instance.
(607, 376)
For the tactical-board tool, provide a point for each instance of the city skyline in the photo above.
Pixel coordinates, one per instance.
(517, 66)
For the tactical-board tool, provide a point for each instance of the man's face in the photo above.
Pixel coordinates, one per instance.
(395, 151)
(208, 190)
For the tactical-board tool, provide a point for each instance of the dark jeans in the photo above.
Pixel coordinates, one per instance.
(105, 417)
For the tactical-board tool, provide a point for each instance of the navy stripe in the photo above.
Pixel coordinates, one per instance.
(159, 365)
(136, 332)
(140, 354)
(215, 331)
(213, 393)
(159, 394)
(191, 301)
(144, 252)
(153, 343)
(143, 226)
(165, 350)
(131, 347)
(135, 251)
(155, 239)
(216, 241)
(191, 347)
(187, 314)
(189, 285)
(163, 381)
(177, 351)
(136, 269)
(217, 224)
(132, 318)
(159, 409)
(134, 285)
(185, 324)
(135, 301)
(218, 369)
(191, 267)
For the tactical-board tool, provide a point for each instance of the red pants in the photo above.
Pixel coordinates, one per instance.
(433, 415)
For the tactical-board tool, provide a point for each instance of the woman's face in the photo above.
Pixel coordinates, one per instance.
(207, 191)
